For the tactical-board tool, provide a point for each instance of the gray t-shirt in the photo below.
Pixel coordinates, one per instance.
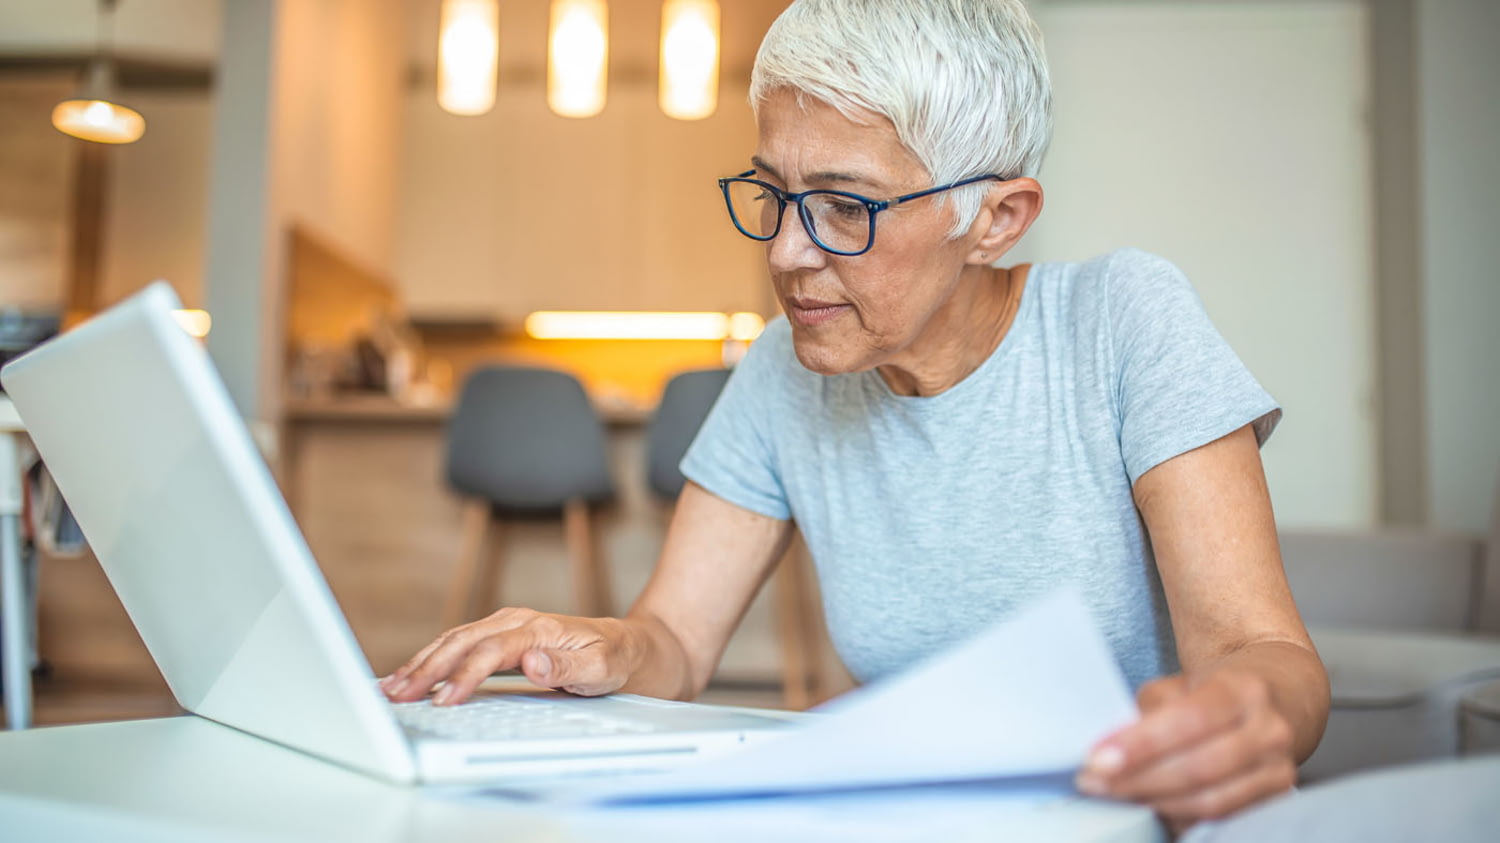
(929, 518)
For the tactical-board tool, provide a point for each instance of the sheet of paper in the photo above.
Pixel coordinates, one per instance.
(1029, 696)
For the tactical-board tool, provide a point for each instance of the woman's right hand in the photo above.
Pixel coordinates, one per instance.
(586, 656)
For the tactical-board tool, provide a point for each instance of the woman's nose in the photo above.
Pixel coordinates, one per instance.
(793, 248)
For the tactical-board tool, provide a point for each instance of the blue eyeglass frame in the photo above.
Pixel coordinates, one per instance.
(874, 206)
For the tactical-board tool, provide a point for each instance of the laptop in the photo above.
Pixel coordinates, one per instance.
(137, 428)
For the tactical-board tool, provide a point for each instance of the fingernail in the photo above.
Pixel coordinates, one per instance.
(1091, 785)
(1106, 760)
(396, 689)
(542, 663)
(443, 695)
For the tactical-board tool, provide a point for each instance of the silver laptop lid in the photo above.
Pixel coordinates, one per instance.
(140, 433)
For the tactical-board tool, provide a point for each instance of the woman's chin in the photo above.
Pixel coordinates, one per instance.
(827, 358)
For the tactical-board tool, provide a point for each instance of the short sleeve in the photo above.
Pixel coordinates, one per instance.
(733, 456)
(1178, 384)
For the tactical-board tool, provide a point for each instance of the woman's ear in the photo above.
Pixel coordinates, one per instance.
(1005, 214)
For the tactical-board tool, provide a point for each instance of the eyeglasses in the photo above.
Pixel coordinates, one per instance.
(839, 223)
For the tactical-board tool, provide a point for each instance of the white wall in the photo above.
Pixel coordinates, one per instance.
(1230, 138)
(1458, 70)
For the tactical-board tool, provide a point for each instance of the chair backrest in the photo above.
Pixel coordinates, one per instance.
(684, 405)
(1383, 577)
(527, 440)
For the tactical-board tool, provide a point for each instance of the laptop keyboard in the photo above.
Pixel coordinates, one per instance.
(512, 718)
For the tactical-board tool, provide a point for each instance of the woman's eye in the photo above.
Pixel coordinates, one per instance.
(847, 208)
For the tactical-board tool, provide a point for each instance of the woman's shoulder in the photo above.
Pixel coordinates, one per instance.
(1114, 282)
(1126, 267)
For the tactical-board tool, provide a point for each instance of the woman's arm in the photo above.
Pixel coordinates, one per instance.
(715, 559)
(1252, 698)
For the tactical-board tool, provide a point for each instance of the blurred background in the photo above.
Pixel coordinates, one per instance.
(1323, 171)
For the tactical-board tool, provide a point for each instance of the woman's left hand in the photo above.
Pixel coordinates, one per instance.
(1203, 748)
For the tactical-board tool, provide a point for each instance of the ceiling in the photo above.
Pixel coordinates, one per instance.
(175, 43)
(183, 31)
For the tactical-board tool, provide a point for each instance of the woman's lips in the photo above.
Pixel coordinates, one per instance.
(814, 311)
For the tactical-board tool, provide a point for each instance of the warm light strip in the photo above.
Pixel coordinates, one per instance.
(639, 325)
(196, 322)
(689, 87)
(468, 55)
(578, 57)
(745, 326)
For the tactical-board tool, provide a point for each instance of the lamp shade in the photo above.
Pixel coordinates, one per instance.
(100, 121)
(578, 57)
(468, 55)
(689, 88)
(94, 116)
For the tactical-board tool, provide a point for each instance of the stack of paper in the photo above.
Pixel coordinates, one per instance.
(1028, 698)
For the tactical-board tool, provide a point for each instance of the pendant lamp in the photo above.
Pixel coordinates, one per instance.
(578, 57)
(93, 115)
(468, 55)
(689, 87)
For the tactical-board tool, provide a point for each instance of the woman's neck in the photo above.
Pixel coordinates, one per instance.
(963, 335)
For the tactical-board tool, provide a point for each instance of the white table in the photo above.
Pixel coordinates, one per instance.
(15, 605)
(187, 779)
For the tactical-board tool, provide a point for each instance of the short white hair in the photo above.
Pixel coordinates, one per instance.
(964, 82)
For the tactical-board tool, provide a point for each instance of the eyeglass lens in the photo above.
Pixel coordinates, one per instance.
(838, 222)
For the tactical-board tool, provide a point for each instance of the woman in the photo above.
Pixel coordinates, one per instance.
(953, 438)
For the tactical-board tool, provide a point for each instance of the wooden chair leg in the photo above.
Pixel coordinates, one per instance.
(590, 581)
(458, 606)
(491, 568)
(811, 615)
(792, 630)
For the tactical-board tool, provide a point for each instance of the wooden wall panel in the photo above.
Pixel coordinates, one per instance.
(36, 181)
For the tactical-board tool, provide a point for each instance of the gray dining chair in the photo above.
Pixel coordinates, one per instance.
(524, 443)
(684, 405)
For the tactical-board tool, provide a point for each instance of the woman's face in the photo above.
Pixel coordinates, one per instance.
(849, 314)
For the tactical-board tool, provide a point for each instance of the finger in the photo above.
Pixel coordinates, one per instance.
(1262, 738)
(538, 666)
(1220, 758)
(478, 663)
(399, 675)
(1173, 724)
(1106, 757)
(586, 672)
(1221, 800)
(1158, 692)
(443, 662)
(399, 684)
